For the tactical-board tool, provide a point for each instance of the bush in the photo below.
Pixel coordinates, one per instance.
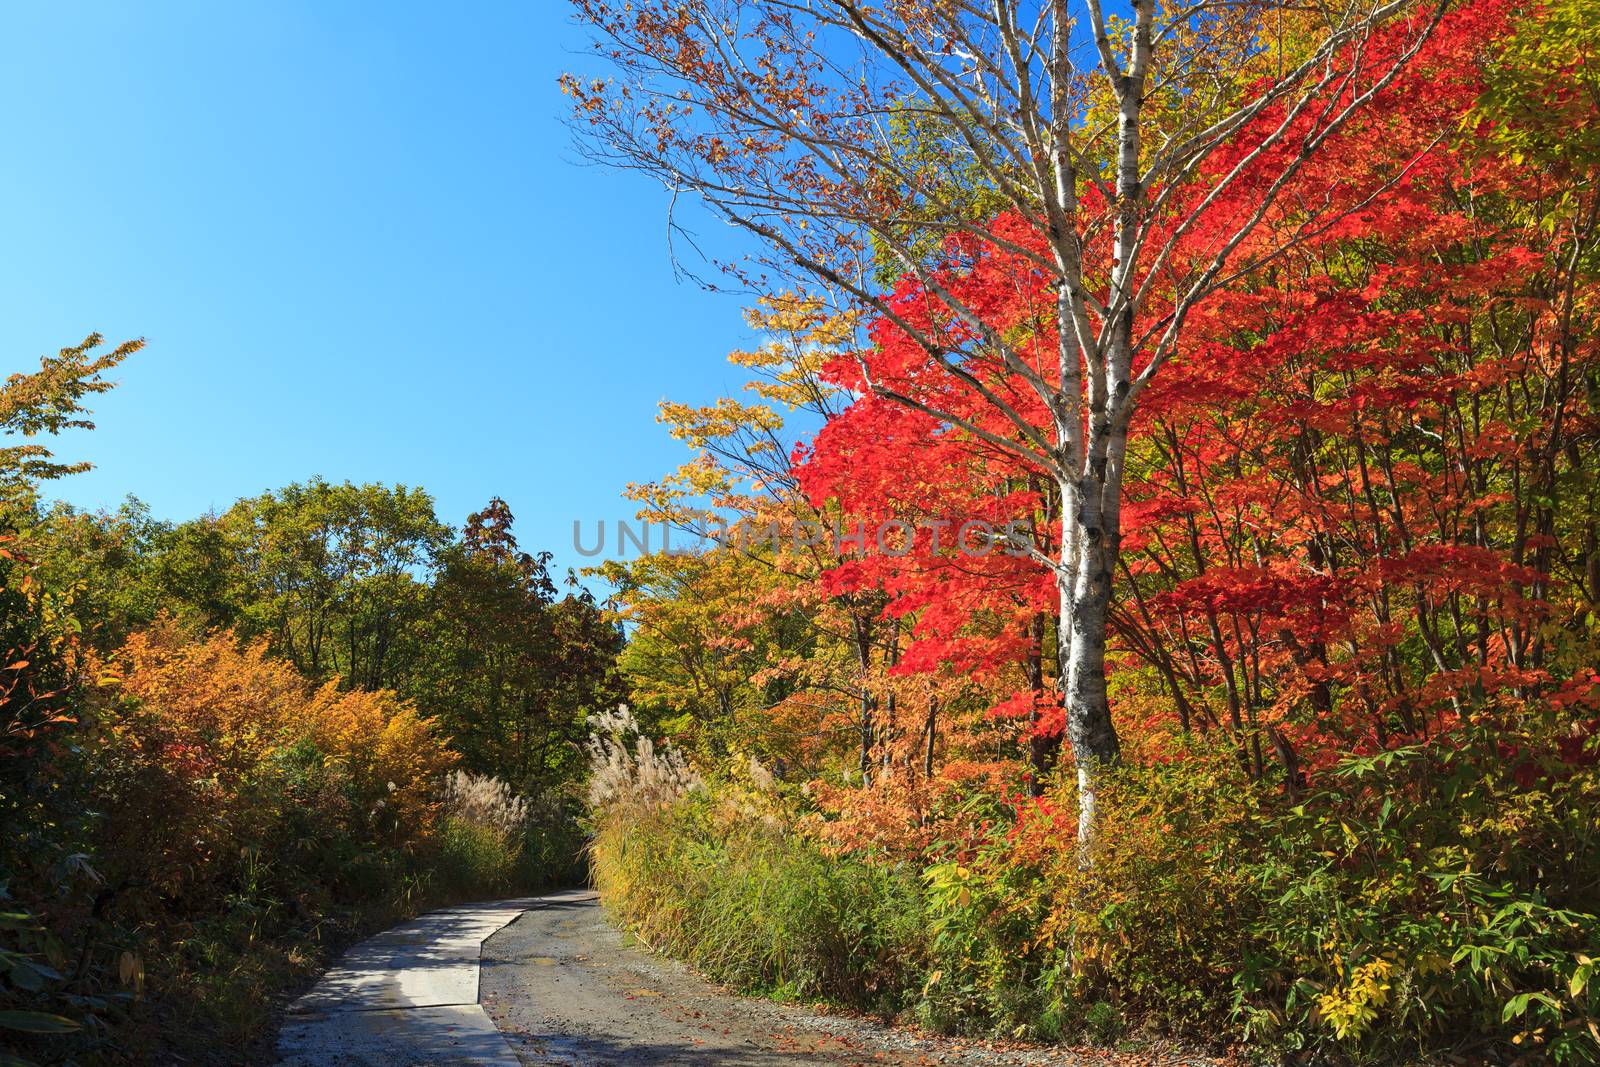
(473, 861)
(1152, 926)
(553, 843)
(245, 823)
(1426, 900)
(761, 908)
(495, 840)
(223, 771)
(1433, 895)
(1441, 896)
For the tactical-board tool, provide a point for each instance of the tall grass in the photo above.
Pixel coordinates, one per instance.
(716, 878)
(759, 908)
(485, 801)
(1410, 906)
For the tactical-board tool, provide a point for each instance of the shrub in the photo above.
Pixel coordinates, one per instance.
(1432, 894)
(393, 755)
(1425, 898)
(761, 908)
(553, 842)
(1152, 925)
(473, 860)
(245, 820)
(1405, 904)
(218, 752)
(493, 839)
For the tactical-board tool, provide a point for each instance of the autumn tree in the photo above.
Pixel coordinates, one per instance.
(46, 402)
(508, 665)
(39, 636)
(1370, 508)
(964, 606)
(1143, 154)
(743, 487)
(44, 766)
(705, 643)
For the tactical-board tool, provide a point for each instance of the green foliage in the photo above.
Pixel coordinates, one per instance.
(512, 670)
(759, 907)
(986, 974)
(1543, 87)
(473, 862)
(100, 568)
(1428, 893)
(1414, 900)
(332, 574)
(553, 845)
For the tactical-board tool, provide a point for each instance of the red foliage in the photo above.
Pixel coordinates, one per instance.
(1330, 535)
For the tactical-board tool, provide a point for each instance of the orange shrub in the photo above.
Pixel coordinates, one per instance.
(220, 709)
(394, 758)
(217, 754)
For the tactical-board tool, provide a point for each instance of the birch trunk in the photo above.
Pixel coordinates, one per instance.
(1084, 584)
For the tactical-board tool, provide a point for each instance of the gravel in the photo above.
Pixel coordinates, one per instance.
(566, 988)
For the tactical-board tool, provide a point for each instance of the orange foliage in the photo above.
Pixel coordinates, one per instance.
(214, 748)
(215, 710)
(390, 751)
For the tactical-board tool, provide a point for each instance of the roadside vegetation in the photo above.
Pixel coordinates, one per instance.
(1216, 913)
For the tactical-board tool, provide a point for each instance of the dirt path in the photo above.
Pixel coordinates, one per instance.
(565, 989)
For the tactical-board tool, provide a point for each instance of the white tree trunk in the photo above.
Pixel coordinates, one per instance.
(1084, 583)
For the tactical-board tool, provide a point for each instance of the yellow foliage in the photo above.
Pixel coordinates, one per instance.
(388, 748)
(1353, 1007)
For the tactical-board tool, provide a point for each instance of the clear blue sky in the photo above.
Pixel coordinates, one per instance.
(359, 245)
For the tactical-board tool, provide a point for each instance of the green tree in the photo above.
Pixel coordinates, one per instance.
(334, 574)
(511, 669)
(101, 566)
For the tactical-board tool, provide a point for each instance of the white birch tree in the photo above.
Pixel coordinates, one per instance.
(788, 119)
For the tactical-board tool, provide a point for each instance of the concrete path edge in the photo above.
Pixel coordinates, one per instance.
(409, 996)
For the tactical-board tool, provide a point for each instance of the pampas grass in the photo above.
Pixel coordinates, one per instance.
(634, 774)
(485, 801)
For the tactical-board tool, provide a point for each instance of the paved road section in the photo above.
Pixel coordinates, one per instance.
(567, 990)
(409, 996)
(546, 982)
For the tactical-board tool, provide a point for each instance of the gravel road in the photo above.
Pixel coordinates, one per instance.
(566, 988)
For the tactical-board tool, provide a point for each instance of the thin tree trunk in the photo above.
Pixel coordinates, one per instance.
(1085, 614)
(1042, 749)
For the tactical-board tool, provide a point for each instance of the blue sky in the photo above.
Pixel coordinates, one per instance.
(359, 245)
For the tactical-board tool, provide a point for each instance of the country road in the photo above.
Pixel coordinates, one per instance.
(547, 982)
(566, 988)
